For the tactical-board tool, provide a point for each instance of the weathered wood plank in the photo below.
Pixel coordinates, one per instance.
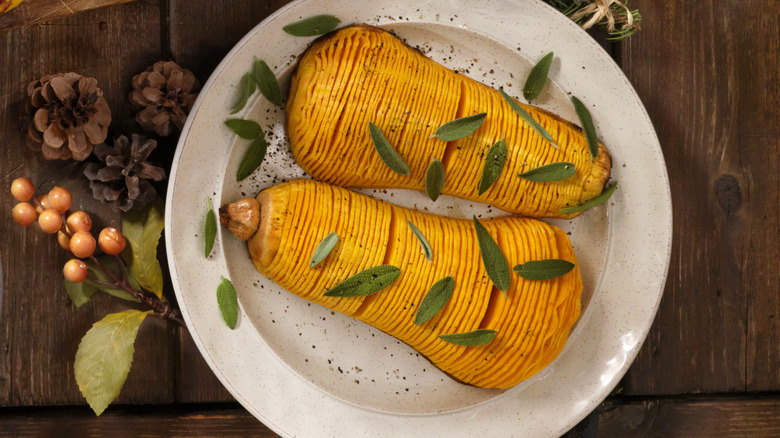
(32, 12)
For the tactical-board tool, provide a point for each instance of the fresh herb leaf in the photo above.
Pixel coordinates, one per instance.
(311, 26)
(598, 200)
(434, 179)
(492, 258)
(494, 163)
(470, 339)
(537, 78)
(527, 117)
(209, 230)
(247, 129)
(266, 82)
(386, 151)
(227, 302)
(544, 269)
(246, 88)
(587, 126)
(323, 249)
(426, 247)
(252, 159)
(550, 172)
(459, 128)
(367, 282)
(435, 300)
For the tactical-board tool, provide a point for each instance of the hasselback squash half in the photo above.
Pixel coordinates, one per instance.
(361, 74)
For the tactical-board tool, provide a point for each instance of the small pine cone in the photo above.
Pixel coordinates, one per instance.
(69, 116)
(163, 96)
(122, 177)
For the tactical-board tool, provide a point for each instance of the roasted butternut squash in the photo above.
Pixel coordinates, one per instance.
(361, 74)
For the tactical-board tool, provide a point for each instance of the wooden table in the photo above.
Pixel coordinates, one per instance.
(708, 73)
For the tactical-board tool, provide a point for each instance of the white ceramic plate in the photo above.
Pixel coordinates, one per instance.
(305, 371)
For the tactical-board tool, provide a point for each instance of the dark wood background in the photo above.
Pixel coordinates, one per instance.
(708, 73)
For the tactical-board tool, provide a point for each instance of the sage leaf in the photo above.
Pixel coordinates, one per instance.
(459, 128)
(434, 179)
(227, 302)
(252, 159)
(494, 163)
(598, 200)
(266, 82)
(311, 26)
(367, 282)
(106, 282)
(426, 247)
(435, 300)
(527, 117)
(104, 357)
(209, 230)
(386, 151)
(543, 269)
(247, 129)
(246, 88)
(470, 339)
(492, 258)
(587, 126)
(80, 293)
(142, 231)
(550, 172)
(323, 249)
(537, 77)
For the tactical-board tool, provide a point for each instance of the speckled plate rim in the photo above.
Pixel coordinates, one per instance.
(612, 329)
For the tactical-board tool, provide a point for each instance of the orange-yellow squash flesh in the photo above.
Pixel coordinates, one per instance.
(362, 74)
(533, 320)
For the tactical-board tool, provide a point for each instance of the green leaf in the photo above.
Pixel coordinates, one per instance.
(470, 339)
(598, 200)
(494, 163)
(111, 263)
(367, 282)
(323, 249)
(426, 247)
(435, 300)
(80, 293)
(386, 151)
(587, 125)
(544, 269)
(527, 117)
(246, 88)
(311, 26)
(104, 357)
(266, 82)
(247, 129)
(143, 231)
(459, 128)
(209, 230)
(550, 172)
(434, 179)
(492, 258)
(252, 159)
(227, 302)
(537, 78)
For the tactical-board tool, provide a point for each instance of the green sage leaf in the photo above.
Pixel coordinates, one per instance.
(80, 293)
(544, 269)
(435, 300)
(247, 129)
(104, 357)
(209, 230)
(598, 200)
(434, 179)
(426, 247)
(252, 159)
(323, 249)
(311, 26)
(266, 82)
(494, 163)
(459, 128)
(367, 282)
(386, 152)
(143, 231)
(527, 117)
(246, 88)
(587, 126)
(106, 283)
(492, 258)
(227, 302)
(470, 339)
(550, 172)
(537, 78)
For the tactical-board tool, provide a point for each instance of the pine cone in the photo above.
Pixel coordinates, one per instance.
(69, 116)
(122, 177)
(163, 94)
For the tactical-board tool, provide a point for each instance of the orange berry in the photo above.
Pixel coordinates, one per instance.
(63, 240)
(60, 199)
(111, 241)
(75, 271)
(79, 221)
(50, 220)
(82, 244)
(24, 214)
(22, 189)
(43, 200)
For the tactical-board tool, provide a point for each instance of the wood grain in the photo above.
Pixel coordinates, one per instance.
(32, 12)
